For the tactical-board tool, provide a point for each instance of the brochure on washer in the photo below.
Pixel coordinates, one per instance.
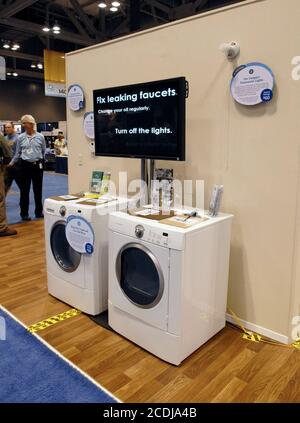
(183, 221)
(169, 218)
(147, 212)
(98, 201)
(68, 197)
(153, 213)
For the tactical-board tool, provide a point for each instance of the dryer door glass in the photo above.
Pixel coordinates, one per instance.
(140, 275)
(65, 256)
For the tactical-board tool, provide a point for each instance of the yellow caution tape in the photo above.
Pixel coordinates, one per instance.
(44, 324)
(237, 319)
(296, 344)
(255, 337)
(250, 336)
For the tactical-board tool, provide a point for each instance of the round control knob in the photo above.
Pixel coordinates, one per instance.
(62, 211)
(139, 231)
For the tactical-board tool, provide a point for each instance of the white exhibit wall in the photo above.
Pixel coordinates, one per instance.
(253, 151)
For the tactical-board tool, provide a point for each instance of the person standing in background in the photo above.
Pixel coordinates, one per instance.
(11, 173)
(11, 135)
(5, 155)
(59, 143)
(30, 152)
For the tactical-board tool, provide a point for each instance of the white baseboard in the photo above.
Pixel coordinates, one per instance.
(279, 337)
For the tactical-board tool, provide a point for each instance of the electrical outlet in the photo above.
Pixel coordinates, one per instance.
(92, 147)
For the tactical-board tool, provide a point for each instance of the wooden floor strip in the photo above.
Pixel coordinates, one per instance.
(225, 369)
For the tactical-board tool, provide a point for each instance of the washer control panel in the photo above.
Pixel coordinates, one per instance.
(155, 237)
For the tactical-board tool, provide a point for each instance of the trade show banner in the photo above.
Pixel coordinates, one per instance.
(55, 73)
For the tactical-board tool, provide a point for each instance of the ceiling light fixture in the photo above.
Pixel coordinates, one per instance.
(6, 45)
(56, 27)
(113, 9)
(116, 4)
(33, 65)
(8, 73)
(46, 27)
(15, 46)
(15, 74)
(55, 31)
(40, 66)
(102, 5)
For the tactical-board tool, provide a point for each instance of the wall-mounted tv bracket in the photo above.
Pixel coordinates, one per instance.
(187, 89)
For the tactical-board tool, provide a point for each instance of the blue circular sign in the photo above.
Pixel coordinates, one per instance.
(252, 84)
(89, 248)
(80, 234)
(266, 95)
(75, 97)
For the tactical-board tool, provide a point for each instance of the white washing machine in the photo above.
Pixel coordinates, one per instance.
(168, 285)
(78, 279)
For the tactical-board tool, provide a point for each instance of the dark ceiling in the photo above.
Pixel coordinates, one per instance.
(82, 24)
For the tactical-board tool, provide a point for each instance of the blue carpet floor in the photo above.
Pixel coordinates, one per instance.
(32, 373)
(53, 184)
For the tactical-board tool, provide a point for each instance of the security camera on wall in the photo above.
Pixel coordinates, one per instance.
(231, 49)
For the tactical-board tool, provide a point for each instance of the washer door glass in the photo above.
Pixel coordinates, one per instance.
(65, 256)
(140, 275)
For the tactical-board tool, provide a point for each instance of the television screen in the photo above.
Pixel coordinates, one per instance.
(141, 120)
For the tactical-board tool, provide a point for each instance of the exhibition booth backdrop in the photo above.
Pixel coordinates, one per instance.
(20, 96)
(252, 151)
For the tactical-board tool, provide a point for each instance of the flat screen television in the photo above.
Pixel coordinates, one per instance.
(142, 120)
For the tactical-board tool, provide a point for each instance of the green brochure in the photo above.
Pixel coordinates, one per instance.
(105, 183)
(96, 181)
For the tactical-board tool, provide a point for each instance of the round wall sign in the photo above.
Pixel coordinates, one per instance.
(252, 84)
(88, 125)
(80, 234)
(75, 97)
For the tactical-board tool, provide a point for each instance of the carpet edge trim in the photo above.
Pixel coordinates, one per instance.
(69, 362)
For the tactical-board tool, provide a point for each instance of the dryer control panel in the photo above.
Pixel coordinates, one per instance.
(155, 237)
(145, 230)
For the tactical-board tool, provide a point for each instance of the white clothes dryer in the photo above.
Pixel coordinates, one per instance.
(76, 278)
(168, 285)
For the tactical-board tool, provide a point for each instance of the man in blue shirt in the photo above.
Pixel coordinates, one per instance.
(30, 152)
(11, 173)
(11, 135)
